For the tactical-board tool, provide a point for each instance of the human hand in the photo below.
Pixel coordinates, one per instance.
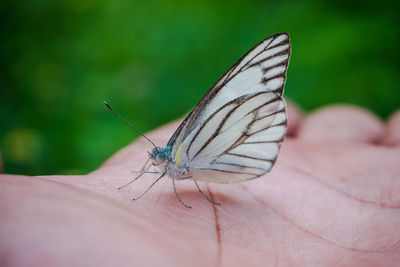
(332, 199)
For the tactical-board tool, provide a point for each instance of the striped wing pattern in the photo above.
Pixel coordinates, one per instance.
(262, 69)
(239, 141)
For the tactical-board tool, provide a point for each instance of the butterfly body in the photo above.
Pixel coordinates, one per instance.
(162, 159)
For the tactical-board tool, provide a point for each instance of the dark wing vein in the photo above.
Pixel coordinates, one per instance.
(248, 157)
(238, 165)
(277, 54)
(215, 169)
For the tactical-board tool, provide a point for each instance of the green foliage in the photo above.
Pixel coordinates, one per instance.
(153, 60)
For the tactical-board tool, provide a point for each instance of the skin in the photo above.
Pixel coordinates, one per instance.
(332, 199)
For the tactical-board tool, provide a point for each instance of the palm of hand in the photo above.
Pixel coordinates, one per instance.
(333, 198)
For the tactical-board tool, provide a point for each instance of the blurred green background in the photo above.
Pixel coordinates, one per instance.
(153, 60)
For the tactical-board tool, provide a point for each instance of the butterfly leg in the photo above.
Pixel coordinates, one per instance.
(145, 172)
(143, 168)
(204, 195)
(150, 187)
(177, 196)
(142, 171)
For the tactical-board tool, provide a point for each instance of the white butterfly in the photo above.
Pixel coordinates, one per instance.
(233, 133)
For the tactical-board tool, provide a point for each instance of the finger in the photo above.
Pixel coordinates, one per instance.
(392, 133)
(295, 116)
(342, 123)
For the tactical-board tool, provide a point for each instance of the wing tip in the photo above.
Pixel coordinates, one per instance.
(281, 33)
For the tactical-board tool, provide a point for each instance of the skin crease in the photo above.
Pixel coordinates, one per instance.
(332, 199)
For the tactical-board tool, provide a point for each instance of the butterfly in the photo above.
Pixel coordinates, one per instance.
(233, 133)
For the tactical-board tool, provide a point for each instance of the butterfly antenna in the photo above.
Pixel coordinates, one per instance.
(127, 123)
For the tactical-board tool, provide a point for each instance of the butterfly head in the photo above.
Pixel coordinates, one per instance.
(160, 156)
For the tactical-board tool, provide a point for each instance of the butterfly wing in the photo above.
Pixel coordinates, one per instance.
(239, 141)
(262, 69)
